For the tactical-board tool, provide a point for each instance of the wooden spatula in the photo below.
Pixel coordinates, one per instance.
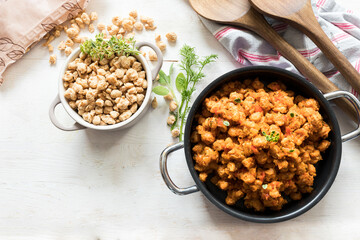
(299, 14)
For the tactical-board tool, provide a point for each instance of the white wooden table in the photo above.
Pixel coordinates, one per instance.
(96, 185)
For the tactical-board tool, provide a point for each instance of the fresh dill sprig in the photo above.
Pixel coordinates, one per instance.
(101, 48)
(192, 66)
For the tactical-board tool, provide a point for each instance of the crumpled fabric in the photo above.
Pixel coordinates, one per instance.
(341, 25)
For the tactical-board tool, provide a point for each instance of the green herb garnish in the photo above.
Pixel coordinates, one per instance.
(292, 150)
(100, 47)
(226, 123)
(192, 66)
(292, 114)
(264, 186)
(238, 100)
(272, 137)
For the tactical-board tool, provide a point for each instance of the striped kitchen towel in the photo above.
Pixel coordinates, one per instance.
(340, 24)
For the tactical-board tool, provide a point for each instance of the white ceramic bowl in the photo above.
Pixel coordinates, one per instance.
(80, 123)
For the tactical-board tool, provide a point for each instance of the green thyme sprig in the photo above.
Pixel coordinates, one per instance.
(272, 137)
(102, 48)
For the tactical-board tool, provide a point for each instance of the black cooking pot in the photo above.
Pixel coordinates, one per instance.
(326, 169)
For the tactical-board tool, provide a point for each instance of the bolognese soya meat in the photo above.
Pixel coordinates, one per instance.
(259, 143)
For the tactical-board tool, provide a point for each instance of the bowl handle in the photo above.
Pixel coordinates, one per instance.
(164, 172)
(55, 121)
(356, 103)
(159, 64)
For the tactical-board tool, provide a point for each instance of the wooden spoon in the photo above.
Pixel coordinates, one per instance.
(240, 13)
(299, 14)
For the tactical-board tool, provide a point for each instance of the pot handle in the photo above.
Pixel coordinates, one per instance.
(356, 103)
(159, 64)
(55, 121)
(164, 172)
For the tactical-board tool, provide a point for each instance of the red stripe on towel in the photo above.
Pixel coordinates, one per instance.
(354, 92)
(320, 3)
(314, 51)
(219, 32)
(344, 26)
(224, 31)
(357, 65)
(280, 27)
(257, 57)
(330, 73)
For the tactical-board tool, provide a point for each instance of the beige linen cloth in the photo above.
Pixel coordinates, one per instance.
(24, 22)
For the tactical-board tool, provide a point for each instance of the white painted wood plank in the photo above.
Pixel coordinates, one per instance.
(95, 185)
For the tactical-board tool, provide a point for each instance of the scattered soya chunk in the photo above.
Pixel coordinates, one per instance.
(171, 37)
(52, 59)
(154, 103)
(121, 27)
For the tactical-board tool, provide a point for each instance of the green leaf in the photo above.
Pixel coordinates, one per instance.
(162, 81)
(171, 70)
(238, 100)
(292, 114)
(180, 82)
(160, 90)
(292, 150)
(226, 123)
(163, 78)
